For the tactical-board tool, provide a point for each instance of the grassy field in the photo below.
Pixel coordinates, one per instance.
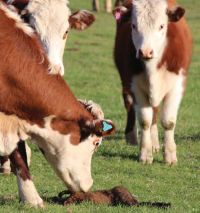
(91, 74)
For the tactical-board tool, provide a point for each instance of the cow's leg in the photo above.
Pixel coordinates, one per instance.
(168, 119)
(108, 6)
(131, 129)
(154, 131)
(27, 191)
(145, 114)
(145, 117)
(5, 165)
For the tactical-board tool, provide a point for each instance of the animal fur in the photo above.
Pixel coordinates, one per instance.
(118, 195)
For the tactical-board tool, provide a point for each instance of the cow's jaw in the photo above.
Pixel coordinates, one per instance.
(149, 28)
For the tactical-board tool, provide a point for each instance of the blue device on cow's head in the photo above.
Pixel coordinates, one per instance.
(107, 126)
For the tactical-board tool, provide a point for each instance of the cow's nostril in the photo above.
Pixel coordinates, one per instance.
(151, 53)
(141, 53)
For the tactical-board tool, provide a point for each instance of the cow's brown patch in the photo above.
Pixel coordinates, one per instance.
(19, 164)
(178, 51)
(155, 115)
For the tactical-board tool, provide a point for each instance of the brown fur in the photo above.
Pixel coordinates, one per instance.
(115, 196)
(80, 21)
(118, 195)
(179, 49)
(20, 165)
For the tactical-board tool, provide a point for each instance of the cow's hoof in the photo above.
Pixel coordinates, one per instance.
(170, 158)
(146, 157)
(155, 142)
(155, 147)
(36, 204)
(4, 171)
(169, 154)
(41, 205)
(131, 139)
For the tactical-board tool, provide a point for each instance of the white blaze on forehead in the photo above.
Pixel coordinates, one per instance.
(147, 12)
(49, 16)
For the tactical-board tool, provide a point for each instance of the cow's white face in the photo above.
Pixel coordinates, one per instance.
(50, 19)
(72, 163)
(70, 157)
(149, 27)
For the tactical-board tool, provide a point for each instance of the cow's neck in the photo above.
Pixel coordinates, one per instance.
(35, 93)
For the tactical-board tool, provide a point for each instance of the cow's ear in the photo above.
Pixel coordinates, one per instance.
(81, 20)
(122, 13)
(104, 128)
(175, 14)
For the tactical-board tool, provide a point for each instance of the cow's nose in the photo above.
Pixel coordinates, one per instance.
(146, 53)
(59, 69)
(86, 185)
(56, 69)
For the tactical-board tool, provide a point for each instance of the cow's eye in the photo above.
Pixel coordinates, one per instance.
(161, 27)
(134, 27)
(65, 35)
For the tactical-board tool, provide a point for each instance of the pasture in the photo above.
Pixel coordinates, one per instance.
(91, 74)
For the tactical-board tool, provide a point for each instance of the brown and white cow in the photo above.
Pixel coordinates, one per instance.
(51, 20)
(41, 106)
(153, 50)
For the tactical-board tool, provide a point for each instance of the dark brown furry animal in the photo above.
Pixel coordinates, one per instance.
(114, 196)
(118, 195)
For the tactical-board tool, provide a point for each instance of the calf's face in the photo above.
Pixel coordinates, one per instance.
(149, 24)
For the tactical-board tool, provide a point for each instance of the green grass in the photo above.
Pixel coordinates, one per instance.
(91, 74)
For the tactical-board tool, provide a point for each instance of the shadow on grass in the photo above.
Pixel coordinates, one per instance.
(193, 138)
(54, 200)
(119, 135)
(7, 200)
(123, 155)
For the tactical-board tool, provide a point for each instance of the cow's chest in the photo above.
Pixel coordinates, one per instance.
(153, 85)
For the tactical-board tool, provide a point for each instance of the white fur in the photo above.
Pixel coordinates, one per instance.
(50, 19)
(150, 89)
(169, 116)
(19, 23)
(94, 108)
(28, 193)
(148, 16)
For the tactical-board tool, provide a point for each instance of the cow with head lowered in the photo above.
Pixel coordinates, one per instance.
(153, 49)
(40, 106)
